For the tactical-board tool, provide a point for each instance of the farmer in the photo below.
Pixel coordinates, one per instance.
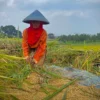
(34, 39)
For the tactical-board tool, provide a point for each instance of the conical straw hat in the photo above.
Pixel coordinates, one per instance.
(36, 16)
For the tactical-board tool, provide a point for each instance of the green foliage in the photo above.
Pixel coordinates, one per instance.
(80, 37)
(10, 31)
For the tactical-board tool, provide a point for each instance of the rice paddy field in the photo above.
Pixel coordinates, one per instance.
(19, 82)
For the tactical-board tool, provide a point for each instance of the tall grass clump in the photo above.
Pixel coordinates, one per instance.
(82, 56)
(11, 46)
(13, 72)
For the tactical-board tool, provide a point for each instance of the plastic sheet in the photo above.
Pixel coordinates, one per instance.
(85, 78)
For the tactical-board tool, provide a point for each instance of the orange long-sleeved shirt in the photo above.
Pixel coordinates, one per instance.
(40, 45)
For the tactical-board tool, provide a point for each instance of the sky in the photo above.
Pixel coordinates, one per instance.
(65, 16)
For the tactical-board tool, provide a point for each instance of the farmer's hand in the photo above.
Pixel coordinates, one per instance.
(27, 58)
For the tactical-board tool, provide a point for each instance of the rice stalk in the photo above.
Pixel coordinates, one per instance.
(50, 86)
(65, 95)
(49, 97)
(5, 77)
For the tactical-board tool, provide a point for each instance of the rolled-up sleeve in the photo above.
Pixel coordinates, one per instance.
(25, 46)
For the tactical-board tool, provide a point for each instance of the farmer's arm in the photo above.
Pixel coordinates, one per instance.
(41, 50)
(25, 46)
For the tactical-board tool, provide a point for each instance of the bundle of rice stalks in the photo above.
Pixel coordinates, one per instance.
(13, 71)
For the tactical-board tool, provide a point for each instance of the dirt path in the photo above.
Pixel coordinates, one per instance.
(34, 91)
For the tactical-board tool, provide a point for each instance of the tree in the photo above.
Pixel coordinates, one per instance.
(51, 36)
(98, 36)
(79, 37)
(10, 31)
(62, 38)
